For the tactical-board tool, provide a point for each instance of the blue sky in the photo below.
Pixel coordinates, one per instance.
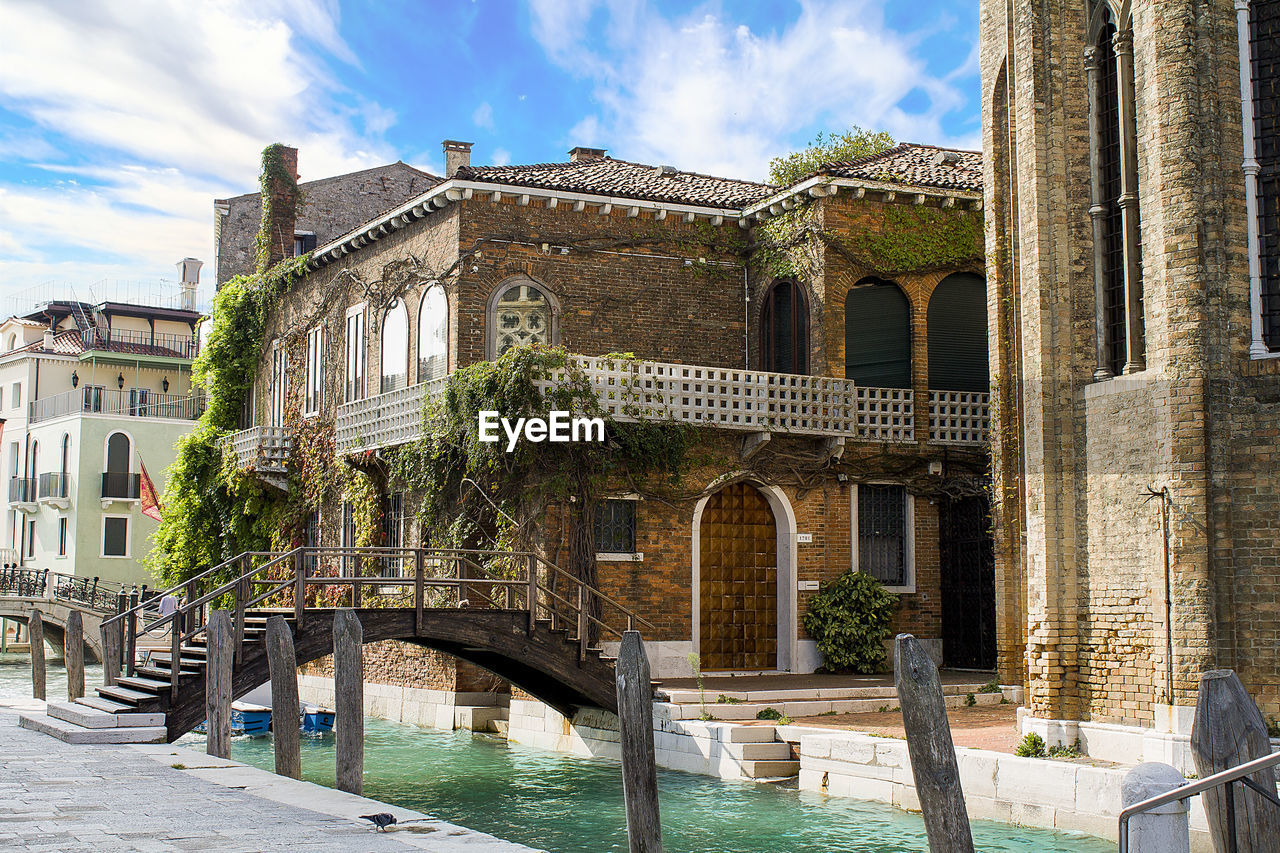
(121, 122)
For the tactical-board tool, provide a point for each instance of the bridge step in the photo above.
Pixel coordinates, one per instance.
(148, 685)
(92, 718)
(69, 732)
(162, 673)
(125, 695)
(106, 705)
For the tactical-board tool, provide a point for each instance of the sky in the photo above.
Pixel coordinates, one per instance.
(120, 122)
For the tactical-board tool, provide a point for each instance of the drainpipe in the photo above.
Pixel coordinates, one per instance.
(1166, 501)
(746, 320)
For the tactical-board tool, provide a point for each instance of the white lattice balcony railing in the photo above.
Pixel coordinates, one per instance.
(748, 400)
(263, 448)
(386, 420)
(959, 417)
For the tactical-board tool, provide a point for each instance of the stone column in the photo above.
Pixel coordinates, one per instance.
(1257, 346)
(1097, 214)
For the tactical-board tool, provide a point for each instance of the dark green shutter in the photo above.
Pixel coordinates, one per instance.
(958, 334)
(877, 336)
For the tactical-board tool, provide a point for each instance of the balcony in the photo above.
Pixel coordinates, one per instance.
(726, 398)
(53, 489)
(138, 342)
(22, 493)
(101, 401)
(262, 449)
(120, 486)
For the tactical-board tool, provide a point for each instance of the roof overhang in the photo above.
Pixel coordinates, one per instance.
(825, 186)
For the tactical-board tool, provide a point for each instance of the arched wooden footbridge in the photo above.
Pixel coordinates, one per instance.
(55, 595)
(512, 613)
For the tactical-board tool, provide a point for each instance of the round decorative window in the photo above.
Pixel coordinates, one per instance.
(524, 317)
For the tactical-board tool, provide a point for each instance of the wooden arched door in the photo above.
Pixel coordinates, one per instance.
(738, 581)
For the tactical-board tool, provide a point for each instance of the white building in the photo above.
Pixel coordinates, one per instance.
(88, 394)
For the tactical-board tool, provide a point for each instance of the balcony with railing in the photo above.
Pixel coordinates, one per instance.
(118, 485)
(54, 488)
(139, 342)
(265, 449)
(136, 402)
(22, 492)
(726, 398)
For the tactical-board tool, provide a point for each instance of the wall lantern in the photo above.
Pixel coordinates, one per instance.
(120, 381)
(164, 383)
(75, 379)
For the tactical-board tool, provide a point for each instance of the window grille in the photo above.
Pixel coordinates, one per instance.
(615, 527)
(882, 533)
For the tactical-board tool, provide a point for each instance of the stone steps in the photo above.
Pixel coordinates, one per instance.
(805, 707)
(80, 723)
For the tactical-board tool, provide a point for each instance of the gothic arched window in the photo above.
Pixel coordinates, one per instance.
(395, 347)
(521, 313)
(1258, 25)
(433, 334)
(1113, 158)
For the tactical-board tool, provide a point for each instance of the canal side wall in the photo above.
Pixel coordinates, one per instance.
(1025, 791)
(438, 709)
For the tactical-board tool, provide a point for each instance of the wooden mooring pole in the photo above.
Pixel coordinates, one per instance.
(283, 664)
(933, 756)
(635, 724)
(35, 636)
(217, 683)
(348, 688)
(73, 655)
(1228, 731)
(112, 640)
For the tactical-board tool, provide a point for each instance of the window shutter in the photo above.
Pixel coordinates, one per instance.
(877, 335)
(958, 334)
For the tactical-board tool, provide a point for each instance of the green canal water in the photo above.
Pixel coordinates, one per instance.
(568, 804)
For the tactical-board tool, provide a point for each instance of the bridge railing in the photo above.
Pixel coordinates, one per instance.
(418, 579)
(24, 583)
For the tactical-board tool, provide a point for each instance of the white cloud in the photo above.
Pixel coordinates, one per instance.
(483, 116)
(707, 94)
(501, 157)
(160, 106)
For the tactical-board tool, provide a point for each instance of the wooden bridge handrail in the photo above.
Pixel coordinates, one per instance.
(174, 590)
(602, 596)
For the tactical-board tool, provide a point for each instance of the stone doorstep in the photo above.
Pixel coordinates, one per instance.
(750, 710)
(69, 732)
(694, 697)
(93, 718)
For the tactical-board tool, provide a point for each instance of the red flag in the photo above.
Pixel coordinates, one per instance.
(150, 500)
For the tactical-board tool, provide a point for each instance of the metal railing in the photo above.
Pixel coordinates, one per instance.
(22, 490)
(121, 485)
(416, 579)
(726, 398)
(262, 448)
(136, 403)
(1226, 779)
(116, 340)
(53, 485)
(24, 583)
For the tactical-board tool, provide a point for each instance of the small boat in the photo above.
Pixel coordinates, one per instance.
(317, 719)
(250, 719)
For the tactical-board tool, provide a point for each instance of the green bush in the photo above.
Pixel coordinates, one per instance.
(849, 618)
(1032, 746)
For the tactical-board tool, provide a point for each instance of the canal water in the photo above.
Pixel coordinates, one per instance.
(568, 804)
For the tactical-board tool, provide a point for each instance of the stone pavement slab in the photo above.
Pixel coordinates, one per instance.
(104, 798)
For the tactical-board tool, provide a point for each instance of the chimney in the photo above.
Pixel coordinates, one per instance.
(457, 155)
(283, 212)
(48, 340)
(581, 155)
(190, 269)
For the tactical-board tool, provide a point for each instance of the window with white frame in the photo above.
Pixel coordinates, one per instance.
(115, 536)
(315, 365)
(279, 382)
(354, 354)
(62, 536)
(394, 353)
(883, 522)
(614, 529)
(433, 334)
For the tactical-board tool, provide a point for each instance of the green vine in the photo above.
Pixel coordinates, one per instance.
(275, 182)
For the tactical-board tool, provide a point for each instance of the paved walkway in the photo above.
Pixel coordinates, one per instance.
(61, 797)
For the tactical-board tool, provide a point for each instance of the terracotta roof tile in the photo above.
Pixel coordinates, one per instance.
(916, 165)
(622, 179)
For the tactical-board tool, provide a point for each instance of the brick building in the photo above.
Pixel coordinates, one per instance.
(1131, 189)
(330, 207)
(872, 365)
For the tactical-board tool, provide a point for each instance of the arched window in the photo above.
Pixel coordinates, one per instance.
(1258, 31)
(1113, 157)
(433, 334)
(877, 335)
(521, 313)
(119, 453)
(957, 321)
(784, 329)
(11, 343)
(395, 347)
(66, 454)
(33, 468)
